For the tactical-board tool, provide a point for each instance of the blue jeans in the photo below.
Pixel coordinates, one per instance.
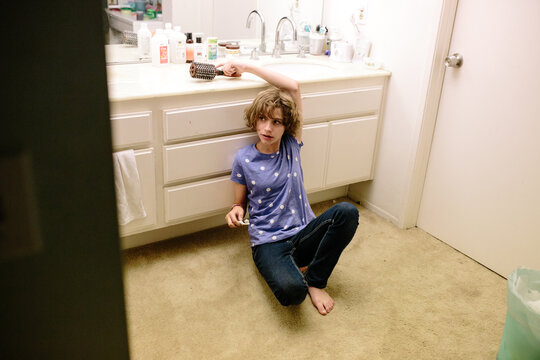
(318, 246)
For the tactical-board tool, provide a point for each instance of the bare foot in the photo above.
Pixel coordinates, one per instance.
(321, 300)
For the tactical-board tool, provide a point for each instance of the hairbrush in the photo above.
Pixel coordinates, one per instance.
(204, 71)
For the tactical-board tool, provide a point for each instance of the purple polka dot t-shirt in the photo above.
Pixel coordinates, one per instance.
(278, 205)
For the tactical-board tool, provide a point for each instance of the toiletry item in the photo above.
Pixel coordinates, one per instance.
(204, 71)
(212, 45)
(233, 49)
(159, 48)
(199, 53)
(362, 47)
(177, 43)
(168, 30)
(143, 41)
(189, 48)
(222, 49)
(341, 51)
(316, 43)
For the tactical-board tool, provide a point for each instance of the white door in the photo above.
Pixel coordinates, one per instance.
(482, 188)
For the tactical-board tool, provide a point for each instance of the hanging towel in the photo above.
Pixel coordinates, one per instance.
(128, 187)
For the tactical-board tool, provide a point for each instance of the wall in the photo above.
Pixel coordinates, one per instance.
(403, 36)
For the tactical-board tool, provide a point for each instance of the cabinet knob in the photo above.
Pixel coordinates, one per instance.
(453, 61)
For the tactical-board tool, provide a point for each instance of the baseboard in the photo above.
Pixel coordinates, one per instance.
(377, 210)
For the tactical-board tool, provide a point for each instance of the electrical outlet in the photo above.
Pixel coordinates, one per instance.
(360, 15)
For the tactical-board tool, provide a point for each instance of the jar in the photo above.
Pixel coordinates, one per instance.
(233, 49)
(222, 49)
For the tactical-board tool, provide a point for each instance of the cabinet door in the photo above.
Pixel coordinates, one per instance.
(342, 103)
(191, 201)
(201, 121)
(202, 158)
(131, 129)
(350, 157)
(146, 168)
(314, 151)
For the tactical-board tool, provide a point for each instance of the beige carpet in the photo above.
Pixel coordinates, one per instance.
(400, 294)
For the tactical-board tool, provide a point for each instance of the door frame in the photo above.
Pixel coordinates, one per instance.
(426, 127)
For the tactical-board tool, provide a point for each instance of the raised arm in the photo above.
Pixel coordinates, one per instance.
(235, 69)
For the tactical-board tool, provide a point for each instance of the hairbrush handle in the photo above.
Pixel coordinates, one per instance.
(204, 71)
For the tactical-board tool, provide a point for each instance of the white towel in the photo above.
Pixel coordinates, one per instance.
(128, 187)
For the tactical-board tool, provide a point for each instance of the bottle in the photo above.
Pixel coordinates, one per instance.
(160, 48)
(143, 41)
(177, 43)
(168, 30)
(189, 48)
(212, 45)
(199, 54)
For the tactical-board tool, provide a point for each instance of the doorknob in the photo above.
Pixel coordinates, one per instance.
(454, 60)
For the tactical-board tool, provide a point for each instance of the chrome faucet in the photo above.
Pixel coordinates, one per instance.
(276, 52)
(262, 46)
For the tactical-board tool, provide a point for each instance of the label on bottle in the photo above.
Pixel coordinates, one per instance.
(163, 54)
(212, 51)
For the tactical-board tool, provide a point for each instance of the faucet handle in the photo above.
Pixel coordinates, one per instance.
(254, 54)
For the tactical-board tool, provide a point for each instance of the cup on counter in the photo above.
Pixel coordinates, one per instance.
(316, 43)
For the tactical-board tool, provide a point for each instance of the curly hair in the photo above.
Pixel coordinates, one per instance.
(266, 101)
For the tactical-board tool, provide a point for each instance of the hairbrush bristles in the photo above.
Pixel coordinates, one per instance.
(203, 71)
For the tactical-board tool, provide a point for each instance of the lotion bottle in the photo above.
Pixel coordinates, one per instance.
(189, 48)
(177, 43)
(160, 48)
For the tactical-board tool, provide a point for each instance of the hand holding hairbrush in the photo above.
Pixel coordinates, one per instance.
(204, 71)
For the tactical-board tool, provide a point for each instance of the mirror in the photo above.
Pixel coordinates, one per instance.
(224, 19)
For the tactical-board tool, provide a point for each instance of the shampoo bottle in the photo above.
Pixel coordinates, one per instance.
(143, 41)
(160, 48)
(177, 43)
(189, 48)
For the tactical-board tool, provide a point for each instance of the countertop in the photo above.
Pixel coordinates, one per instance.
(144, 81)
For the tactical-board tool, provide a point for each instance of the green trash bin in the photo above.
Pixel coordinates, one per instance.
(521, 335)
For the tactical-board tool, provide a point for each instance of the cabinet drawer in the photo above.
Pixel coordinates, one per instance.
(146, 168)
(202, 158)
(352, 144)
(342, 103)
(315, 138)
(131, 129)
(186, 202)
(203, 121)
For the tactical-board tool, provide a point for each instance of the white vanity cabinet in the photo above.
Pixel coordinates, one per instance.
(185, 145)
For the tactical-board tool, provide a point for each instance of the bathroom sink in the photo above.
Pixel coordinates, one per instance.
(301, 69)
